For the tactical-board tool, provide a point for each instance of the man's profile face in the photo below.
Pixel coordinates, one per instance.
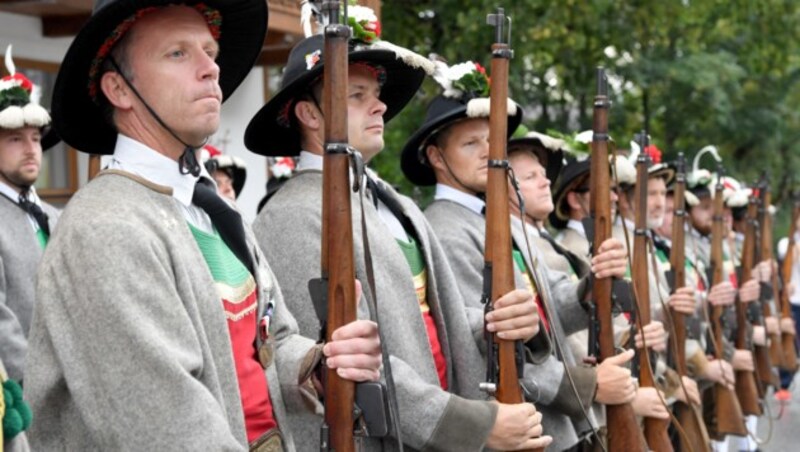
(20, 156)
(669, 208)
(701, 215)
(364, 111)
(656, 202)
(171, 54)
(224, 184)
(461, 159)
(534, 186)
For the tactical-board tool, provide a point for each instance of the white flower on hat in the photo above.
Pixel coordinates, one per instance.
(449, 76)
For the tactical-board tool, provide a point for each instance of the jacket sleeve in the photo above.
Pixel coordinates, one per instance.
(121, 350)
(13, 344)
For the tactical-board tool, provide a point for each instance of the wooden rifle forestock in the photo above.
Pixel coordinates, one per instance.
(728, 412)
(655, 430)
(788, 346)
(746, 387)
(760, 352)
(623, 427)
(497, 253)
(775, 352)
(337, 228)
(689, 417)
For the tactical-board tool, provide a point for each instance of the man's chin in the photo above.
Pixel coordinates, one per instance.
(655, 223)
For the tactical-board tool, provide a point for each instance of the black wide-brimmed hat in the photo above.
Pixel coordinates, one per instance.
(239, 24)
(442, 112)
(574, 174)
(271, 132)
(548, 150)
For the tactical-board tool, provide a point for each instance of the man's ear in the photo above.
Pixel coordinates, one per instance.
(308, 115)
(573, 201)
(435, 158)
(116, 90)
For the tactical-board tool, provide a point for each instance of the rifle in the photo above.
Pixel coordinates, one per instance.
(728, 417)
(746, 389)
(775, 353)
(760, 352)
(338, 264)
(655, 430)
(789, 357)
(688, 416)
(623, 427)
(499, 266)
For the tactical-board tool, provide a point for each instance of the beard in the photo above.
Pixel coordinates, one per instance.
(655, 223)
(18, 179)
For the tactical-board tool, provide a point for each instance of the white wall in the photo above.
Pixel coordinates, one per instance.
(25, 34)
(236, 114)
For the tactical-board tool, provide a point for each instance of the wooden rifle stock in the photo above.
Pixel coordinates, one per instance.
(775, 352)
(789, 361)
(655, 430)
(623, 427)
(338, 265)
(728, 417)
(497, 252)
(746, 387)
(689, 416)
(760, 352)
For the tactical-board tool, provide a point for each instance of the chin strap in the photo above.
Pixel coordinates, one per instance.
(187, 163)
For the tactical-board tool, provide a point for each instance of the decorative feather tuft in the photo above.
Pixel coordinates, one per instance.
(479, 107)
(35, 115)
(700, 176)
(625, 171)
(9, 61)
(12, 117)
(552, 143)
(308, 12)
(408, 57)
(691, 199)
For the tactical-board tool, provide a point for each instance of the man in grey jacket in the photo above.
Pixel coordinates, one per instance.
(431, 339)
(159, 325)
(25, 220)
(451, 149)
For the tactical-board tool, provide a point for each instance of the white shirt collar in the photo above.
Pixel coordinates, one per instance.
(309, 161)
(576, 226)
(13, 194)
(135, 157)
(471, 202)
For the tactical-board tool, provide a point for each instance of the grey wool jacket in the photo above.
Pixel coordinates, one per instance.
(574, 242)
(19, 257)
(289, 231)
(129, 346)
(462, 233)
(572, 317)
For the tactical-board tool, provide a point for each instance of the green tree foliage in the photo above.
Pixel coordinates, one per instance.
(693, 72)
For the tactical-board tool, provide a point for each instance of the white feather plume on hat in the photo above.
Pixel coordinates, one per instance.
(625, 171)
(691, 199)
